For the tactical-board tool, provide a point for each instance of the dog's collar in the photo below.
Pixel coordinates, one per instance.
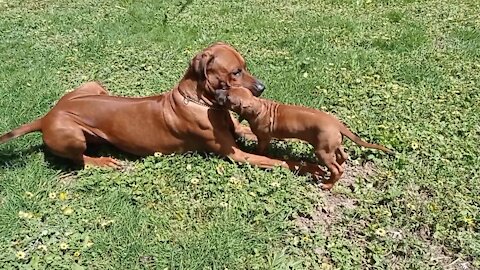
(187, 99)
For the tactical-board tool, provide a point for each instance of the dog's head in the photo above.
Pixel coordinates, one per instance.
(237, 99)
(220, 66)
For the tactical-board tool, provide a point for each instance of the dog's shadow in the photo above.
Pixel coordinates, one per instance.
(281, 149)
(289, 150)
(9, 159)
(295, 151)
(17, 159)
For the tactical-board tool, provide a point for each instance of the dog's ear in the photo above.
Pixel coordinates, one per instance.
(200, 63)
(221, 96)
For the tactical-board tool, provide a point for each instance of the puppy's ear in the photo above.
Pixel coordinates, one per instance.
(221, 96)
(247, 107)
(200, 63)
(235, 100)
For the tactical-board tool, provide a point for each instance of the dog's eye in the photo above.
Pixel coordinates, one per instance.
(237, 72)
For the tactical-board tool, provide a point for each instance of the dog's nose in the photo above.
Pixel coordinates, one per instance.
(260, 86)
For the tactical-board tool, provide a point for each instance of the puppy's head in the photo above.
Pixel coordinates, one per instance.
(220, 66)
(237, 99)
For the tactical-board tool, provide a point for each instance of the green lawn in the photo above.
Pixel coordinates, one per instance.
(404, 73)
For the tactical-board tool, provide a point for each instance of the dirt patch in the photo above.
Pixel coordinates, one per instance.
(447, 260)
(327, 214)
(355, 170)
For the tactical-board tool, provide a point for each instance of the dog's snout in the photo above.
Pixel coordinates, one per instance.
(260, 86)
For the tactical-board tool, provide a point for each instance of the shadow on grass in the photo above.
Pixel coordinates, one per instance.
(17, 158)
(182, 5)
(283, 150)
(104, 150)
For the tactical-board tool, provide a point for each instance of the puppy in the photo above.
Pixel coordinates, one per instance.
(269, 119)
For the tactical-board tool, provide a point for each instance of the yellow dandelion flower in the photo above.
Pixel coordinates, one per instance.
(433, 207)
(26, 215)
(414, 145)
(275, 184)
(67, 211)
(63, 246)
(224, 204)
(76, 254)
(220, 169)
(411, 206)
(20, 255)
(380, 232)
(469, 220)
(63, 195)
(194, 181)
(306, 238)
(106, 223)
(326, 266)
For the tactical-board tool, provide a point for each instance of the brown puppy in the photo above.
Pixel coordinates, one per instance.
(183, 119)
(270, 119)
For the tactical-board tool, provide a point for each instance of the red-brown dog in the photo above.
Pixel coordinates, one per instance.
(183, 119)
(269, 119)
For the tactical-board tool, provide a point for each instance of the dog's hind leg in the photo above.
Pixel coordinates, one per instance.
(86, 89)
(65, 138)
(340, 155)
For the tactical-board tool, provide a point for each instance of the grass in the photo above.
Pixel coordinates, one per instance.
(402, 73)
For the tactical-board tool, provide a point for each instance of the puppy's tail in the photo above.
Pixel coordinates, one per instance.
(347, 132)
(22, 130)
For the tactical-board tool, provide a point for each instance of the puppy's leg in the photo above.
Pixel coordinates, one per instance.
(341, 155)
(328, 149)
(262, 146)
(64, 138)
(241, 130)
(336, 170)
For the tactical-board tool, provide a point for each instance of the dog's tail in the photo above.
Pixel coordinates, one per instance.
(24, 129)
(352, 136)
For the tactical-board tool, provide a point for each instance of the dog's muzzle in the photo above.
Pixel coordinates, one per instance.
(259, 88)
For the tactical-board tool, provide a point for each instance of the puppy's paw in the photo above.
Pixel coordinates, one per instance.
(326, 186)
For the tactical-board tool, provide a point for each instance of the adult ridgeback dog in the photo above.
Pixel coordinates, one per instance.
(269, 119)
(183, 119)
